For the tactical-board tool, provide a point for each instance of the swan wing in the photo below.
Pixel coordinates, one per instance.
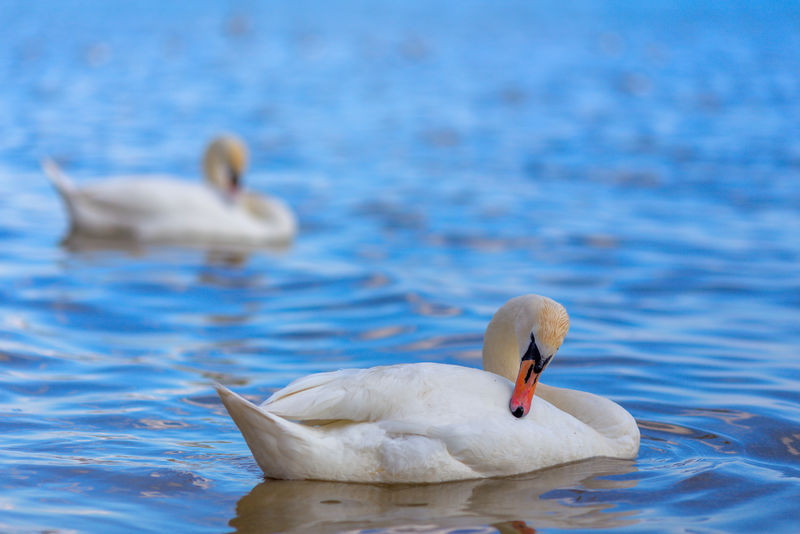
(421, 391)
(159, 208)
(149, 195)
(330, 445)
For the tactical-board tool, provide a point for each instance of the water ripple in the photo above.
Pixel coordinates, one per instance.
(639, 163)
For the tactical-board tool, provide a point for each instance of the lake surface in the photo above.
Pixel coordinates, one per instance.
(639, 165)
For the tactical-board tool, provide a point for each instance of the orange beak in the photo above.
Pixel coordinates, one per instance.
(522, 397)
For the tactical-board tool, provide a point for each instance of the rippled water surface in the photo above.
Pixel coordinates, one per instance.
(640, 165)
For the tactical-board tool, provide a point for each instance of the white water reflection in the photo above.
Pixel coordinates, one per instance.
(516, 504)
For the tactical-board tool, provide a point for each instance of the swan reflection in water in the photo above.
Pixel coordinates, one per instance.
(508, 505)
(81, 244)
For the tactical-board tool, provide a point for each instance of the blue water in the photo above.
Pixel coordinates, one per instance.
(639, 164)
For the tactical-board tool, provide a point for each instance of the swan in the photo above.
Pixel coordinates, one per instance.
(158, 208)
(430, 422)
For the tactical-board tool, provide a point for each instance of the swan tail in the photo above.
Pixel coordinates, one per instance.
(65, 187)
(57, 177)
(281, 448)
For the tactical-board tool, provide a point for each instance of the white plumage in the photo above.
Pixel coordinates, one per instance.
(162, 209)
(431, 422)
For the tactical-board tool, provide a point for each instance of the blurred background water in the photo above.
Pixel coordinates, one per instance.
(640, 164)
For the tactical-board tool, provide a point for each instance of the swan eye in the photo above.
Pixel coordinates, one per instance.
(233, 178)
(539, 362)
(533, 351)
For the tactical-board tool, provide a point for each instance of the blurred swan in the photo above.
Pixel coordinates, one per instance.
(157, 208)
(429, 422)
(504, 503)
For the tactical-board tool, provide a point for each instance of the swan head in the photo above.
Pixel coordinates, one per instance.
(521, 340)
(224, 162)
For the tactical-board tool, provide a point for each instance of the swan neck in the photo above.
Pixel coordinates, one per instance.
(213, 166)
(500, 349)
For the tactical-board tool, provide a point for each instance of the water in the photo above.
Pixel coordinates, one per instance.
(640, 165)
